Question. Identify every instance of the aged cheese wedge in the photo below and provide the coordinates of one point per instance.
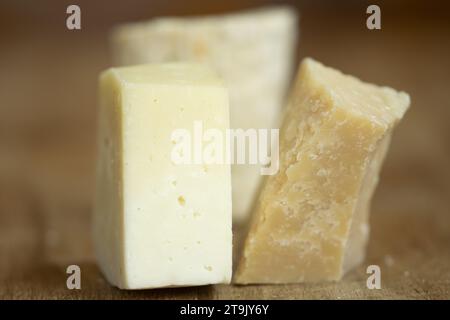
(252, 50)
(158, 223)
(311, 219)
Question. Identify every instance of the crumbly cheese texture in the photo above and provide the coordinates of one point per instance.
(311, 219)
(253, 51)
(158, 223)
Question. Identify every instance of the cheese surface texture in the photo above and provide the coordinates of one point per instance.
(253, 51)
(158, 223)
(311, 219)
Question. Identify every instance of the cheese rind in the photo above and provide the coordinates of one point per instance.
(310, 222)
(253, 51)
(158, 223)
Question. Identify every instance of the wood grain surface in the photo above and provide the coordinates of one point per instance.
(48, 91)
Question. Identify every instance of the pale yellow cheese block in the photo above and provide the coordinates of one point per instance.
(311, 219)
(158, 223)
(252, 50)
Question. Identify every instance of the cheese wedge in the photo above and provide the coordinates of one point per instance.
(158, 223)
(253, 51)
(311, 219)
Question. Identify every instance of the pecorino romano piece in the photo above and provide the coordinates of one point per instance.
(158, 223)
(311, 218)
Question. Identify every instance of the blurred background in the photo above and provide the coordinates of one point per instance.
(48, 101)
